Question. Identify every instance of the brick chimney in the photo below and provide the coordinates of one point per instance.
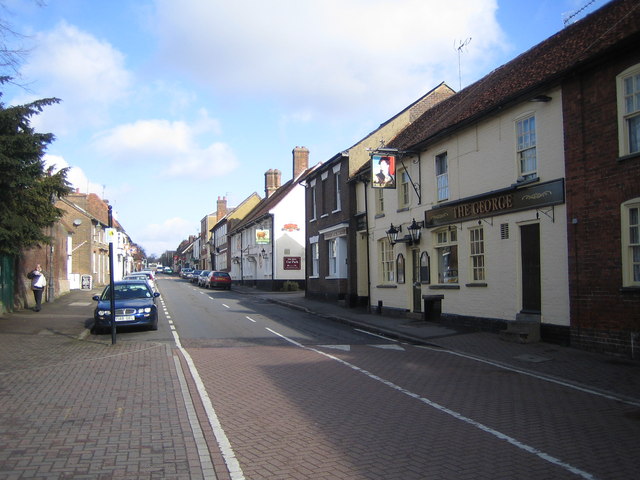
(272, 180)
(300, 161)
(221, 209)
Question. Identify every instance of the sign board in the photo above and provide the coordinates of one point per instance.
(498, 203)
(262, 236)
(383, 171)
(291, 263)
(86, 282)
(110, 234)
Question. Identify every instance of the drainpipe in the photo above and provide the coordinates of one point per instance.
(366, 221)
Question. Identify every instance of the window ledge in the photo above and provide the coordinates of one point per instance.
(402, 209)
(444, 287)
(630, 289)
(386, 286)
(379, 215)
(336, 211)
(324, 215)
(477, 284)
(628, 157)
(314, 276)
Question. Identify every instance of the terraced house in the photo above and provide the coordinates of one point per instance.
(516, 200)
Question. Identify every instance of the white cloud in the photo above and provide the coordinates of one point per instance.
(75, 175)
(172, 146)
(332, 55)
(158, 238)
(87, 74)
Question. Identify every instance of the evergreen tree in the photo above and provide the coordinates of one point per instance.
(27, 191)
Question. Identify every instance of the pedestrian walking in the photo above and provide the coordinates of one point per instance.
(38, 282)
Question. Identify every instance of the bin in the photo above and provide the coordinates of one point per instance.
(432, 308)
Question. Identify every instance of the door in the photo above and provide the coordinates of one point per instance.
(531, 278)
(415, 280)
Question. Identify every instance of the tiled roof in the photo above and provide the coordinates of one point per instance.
(540, 67)
(266, 204)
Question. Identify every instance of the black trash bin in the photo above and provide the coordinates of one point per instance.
(432, 308)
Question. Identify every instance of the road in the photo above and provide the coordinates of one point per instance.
(292, 396)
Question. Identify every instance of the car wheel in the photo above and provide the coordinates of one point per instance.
(154, 326)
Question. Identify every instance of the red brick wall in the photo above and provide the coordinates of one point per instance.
(603, 316)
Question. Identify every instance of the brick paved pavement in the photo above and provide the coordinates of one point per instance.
(72, 408)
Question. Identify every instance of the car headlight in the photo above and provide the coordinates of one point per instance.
(102, 313)
(145, 310)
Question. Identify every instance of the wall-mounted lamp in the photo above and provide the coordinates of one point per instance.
(541, 98)
(414, 233)
(414, 230)
(235, 259)
(264, 254)
(392, 234)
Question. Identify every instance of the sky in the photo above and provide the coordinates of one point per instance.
(167, 105)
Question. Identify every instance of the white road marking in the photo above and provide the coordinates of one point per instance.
(251, 319)
(458, 416)
(539, 377)
(374, 334)
(221, 437)
(345, 348)
(225, 306)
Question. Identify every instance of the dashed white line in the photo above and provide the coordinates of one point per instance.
(458, 416)
(250, 319)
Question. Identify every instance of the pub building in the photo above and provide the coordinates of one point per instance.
(476, 226)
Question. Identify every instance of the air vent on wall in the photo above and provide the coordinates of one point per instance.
(504, 231)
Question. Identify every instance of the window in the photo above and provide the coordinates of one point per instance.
(379, 200)
(403, 191)
(324, 200)
(476, 241)
(631, 243)
(629, 111)
(447, 252)
(315, 260)
(425, 268)
(338, 205)
(442, 176)
(400, 267)
(526, 148)
(386, 261)
(333, 257)
(314, 207)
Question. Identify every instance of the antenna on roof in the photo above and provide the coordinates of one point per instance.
(460, 46)
(568, 17)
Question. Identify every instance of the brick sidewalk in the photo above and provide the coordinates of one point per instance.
(72, 408)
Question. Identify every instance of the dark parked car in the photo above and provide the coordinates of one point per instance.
(202, 278)
(219, 280)
(186, 273)
(194, 276)
(135, 303)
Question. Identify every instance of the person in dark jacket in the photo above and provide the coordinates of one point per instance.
(38, 282)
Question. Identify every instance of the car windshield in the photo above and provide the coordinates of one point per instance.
(128, 291)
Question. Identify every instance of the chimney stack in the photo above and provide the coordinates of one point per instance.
(271, 181)
(221, 209)
(300, 161)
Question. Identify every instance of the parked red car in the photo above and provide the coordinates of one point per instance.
(219, 280)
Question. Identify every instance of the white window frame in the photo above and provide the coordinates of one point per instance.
(314, 205)
(404, 194)
(315, 260)
(441, 164)
(379, 199)
(446, 243)
(386, 261)
(628, 95)
(630, 224)
(526, 147)
(477, 264)
(336, 177)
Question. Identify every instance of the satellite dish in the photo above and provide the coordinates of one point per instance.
(77, 222)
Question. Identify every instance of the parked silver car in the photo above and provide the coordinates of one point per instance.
(203, 278)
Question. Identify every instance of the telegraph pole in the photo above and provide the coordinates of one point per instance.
(112, 292)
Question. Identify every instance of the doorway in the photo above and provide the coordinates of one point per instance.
(531, 277)
(415, 280)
